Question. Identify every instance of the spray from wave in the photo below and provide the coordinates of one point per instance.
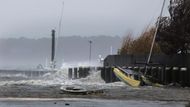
(60, 77)
(81, 64)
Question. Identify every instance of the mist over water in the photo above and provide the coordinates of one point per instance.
(25, 53)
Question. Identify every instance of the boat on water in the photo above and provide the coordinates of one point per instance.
(127, 76)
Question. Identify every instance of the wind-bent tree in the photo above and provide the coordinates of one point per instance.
(174, 31)
(140, 45)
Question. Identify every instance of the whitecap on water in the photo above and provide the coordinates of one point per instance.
(60, 77)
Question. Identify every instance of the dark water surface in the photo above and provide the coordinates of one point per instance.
(22, 88)
(85, 103)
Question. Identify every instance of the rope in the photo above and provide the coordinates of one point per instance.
(59, 30)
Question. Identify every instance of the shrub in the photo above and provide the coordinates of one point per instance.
(140, 45)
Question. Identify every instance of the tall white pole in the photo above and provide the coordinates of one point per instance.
(155, 34)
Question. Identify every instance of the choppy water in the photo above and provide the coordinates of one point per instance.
(59, 78)
(55, 78)
(86, 103)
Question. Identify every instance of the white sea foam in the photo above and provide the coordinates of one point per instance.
(60, 77)
(80, 64)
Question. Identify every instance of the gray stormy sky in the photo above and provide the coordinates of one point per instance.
(36, 18)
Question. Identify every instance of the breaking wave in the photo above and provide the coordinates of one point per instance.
(60, 77)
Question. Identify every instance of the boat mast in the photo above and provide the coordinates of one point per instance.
(154, 37)
(155, 34)
(59, 32)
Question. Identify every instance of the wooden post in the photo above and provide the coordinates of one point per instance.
(81, 73)
(183, 76)
(175, 75)
(168, 71)
(103, 73)
(70, 73)
(75, 73)
(107, 75)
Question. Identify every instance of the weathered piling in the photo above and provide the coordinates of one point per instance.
(108, 75)
(183, 76)
(175, 75)
(162, 75)
(75, 73)
(108, 71)
(103, 73)
(168, 75)
(159, 76)
(153, 73)
(70, 73)
(81, 73)
(86, 71)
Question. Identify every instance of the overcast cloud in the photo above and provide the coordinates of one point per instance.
(36, 18)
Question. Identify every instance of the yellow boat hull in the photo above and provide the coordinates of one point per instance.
(126, 79)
